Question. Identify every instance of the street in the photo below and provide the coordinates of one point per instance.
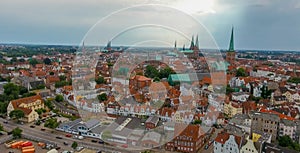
(50, 137)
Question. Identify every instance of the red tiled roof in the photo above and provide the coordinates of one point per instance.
(281, 116)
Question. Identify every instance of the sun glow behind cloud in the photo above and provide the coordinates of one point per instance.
(190, 6)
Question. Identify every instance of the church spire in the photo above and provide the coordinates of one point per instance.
(197, 43)
(175, 45)
(231, 45)
(192, 43)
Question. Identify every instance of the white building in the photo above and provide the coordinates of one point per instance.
(287, 127)
(227, 143)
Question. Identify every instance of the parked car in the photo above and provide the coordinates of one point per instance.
(101, 141)
(206, 147)
(32, 126)
(94, 141)
(69, 135)
(58, 137)
(65, 143)
(43, 129)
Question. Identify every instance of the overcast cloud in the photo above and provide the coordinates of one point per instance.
(259, 24)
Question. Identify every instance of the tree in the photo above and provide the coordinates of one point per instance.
(59, 98)
(40, 111)
(102, 97)
(17, 132)
(12, 90)
(197, 122)
(285, 141)
(62, 78)
(151, 71)
(33, 62)
(47, 61)
(51, 73)
(49, 104)
(241, 72)
(100, 80)
(17, 114)
(3, 107)
(164, 73)
(51, 123)
(156, 79)
(74, 145)
(294, 80)
(22, 60)
(29, 94)
(1, 127)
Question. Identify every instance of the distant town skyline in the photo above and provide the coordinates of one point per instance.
(259, 24)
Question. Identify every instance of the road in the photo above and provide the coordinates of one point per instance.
(48, 136)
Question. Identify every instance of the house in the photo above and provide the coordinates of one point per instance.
(240, 96)
(28, 105)
(249, 147)
(232, 108)
(243, 121)
(91, 128)
(121, 129)
(248, 107)
(287, 127)
(151, 122)
(189, 138)
(226, 142)
(265, 123)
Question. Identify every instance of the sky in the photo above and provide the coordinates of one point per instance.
(258, 24)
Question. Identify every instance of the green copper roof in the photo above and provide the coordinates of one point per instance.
(231, 45)
(179, 77)
(187, 51)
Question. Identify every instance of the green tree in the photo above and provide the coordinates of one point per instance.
(151, 71)
(29, 94)
(12, 90)
(156, 79)
(17, 132)
(74, 145)
(197, 122)
(51, 123)
(33, 62)
(164, 73)
(59, 98)
(100, 80)
(3, 107)
(1, 127)
(40, 111)
(102, 97)
(294, 80)
(285, 141)
(47, 61)
(17, 114)
(51, 73)
(62, 78)
(241, 72)
(49, 104)
(22, 60)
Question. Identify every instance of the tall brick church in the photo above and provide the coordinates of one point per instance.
(230, 54)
